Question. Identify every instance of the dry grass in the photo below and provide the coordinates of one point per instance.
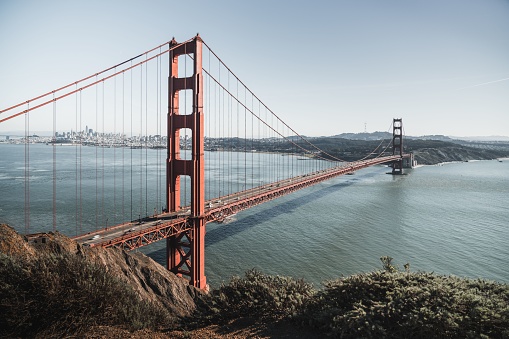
(62, 294)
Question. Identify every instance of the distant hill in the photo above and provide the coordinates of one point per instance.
(483, 139)
(385, 135)
(430, 137)
(364, 136)
(428, 150)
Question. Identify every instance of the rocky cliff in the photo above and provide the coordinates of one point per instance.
(151, 281)
(42, 270)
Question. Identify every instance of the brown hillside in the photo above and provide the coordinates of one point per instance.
(149, 279)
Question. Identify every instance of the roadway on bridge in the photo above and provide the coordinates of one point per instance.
(216, 210)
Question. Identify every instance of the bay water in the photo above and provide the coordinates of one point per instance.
(450, 218)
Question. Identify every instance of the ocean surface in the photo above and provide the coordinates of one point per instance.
(450, 219)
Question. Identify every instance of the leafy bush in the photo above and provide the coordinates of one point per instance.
(256, 295)
(381, 304)
(389, 304)
(62, 294)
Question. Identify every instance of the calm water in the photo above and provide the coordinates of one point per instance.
(450, 219)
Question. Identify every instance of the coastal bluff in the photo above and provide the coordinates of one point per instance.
(89, 269)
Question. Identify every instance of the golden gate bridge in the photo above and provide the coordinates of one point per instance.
(184, 95)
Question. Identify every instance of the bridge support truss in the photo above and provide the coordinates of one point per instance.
(186, 250)
(397, 145)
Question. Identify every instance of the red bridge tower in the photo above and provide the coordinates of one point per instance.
(397, 145)
(186, 251)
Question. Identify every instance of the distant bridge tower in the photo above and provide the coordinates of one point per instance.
(397, 145)
(186, 251)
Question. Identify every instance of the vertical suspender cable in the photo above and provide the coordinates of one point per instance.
(233, 188)
(221, 135)
(229, 139)
(76, 141)
(103, 139)
(162, 169)
(96, 155)
(115, 144)
(260, 141)
(80, 166)
(271, 155)
(225, 135)
(245, 139)
(278, 158)
(252, 142)
(224, 124)
(158, 132)
(54, 164)
(237, 116)
(27, 171)
(131, 143)
(146, 139)
(272, 143)
(231, 175)
(217, 131)
(140, 144)
(123, 147)
(220, 163)
(266, 134)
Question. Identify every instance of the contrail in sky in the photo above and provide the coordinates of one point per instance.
(484, 83)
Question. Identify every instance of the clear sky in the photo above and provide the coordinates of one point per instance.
(325, 67)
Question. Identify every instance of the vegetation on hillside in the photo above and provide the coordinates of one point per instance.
(257, 295)
(57, 295)
(385, 304)
(380, 304)
(55, 292)
(426, 151)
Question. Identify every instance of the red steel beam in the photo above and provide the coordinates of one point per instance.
(143, 237)
(239, 201)
(284, 187)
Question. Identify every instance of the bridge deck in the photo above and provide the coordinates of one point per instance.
(142, 232)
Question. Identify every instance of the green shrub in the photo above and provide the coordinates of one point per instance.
(389, 304)
(256, 295)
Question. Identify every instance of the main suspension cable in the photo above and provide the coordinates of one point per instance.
(84, 79)
(83, 87)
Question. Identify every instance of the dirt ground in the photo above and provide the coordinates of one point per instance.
(240, 328)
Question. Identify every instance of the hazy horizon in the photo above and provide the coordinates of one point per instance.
(469, 137)
(325, 67)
